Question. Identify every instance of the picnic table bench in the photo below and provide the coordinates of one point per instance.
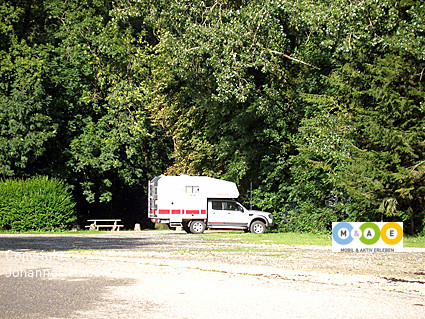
(99, 223)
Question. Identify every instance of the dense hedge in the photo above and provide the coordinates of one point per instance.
(38, 203)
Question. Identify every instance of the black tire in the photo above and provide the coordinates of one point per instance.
(258, 227)
(185, 227)
(197, 227)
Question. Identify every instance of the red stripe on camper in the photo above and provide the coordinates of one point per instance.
(163, 211)
(217, 223)
(188, 211)
(175, 211)
(203, 211)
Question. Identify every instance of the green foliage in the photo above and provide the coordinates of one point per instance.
(25, 123)
(225, 94)
(375, 94)
(305, 217)
(115, 143)
(318, 102)
(38, 203)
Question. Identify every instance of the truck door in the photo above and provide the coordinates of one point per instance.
(228, 213)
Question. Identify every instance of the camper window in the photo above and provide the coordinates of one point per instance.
(192, 189)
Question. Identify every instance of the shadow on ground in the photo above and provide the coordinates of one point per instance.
(43, 297)
(84, 242)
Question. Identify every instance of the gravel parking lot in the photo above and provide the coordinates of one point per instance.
(158, 274)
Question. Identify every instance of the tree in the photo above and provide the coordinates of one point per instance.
(114, 145)
(26, 124)
(319, 102)
(224, 90)
(376, 86)
(73, 93)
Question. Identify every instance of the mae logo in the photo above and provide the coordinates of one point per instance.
(367, 237)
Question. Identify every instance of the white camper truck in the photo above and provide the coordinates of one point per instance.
(199, 202)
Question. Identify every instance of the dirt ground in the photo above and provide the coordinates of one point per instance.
(141, 259)
(387, 271)
(401, 272)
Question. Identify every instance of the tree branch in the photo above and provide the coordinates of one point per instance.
(293, 59)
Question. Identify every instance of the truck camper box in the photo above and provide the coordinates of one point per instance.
(197, 202)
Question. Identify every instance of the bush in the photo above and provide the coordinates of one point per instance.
(38, 203)
(307, 218)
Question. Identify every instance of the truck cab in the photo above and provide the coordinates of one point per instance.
(224, 214)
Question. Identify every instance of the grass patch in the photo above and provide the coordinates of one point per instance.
(231, 250)
(291, 239)
(211, 270)
(418, 242)
(298, 239)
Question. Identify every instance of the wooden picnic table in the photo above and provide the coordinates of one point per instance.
(99, 223)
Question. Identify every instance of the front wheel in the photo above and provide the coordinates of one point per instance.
(197, 227)
(258, 227)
